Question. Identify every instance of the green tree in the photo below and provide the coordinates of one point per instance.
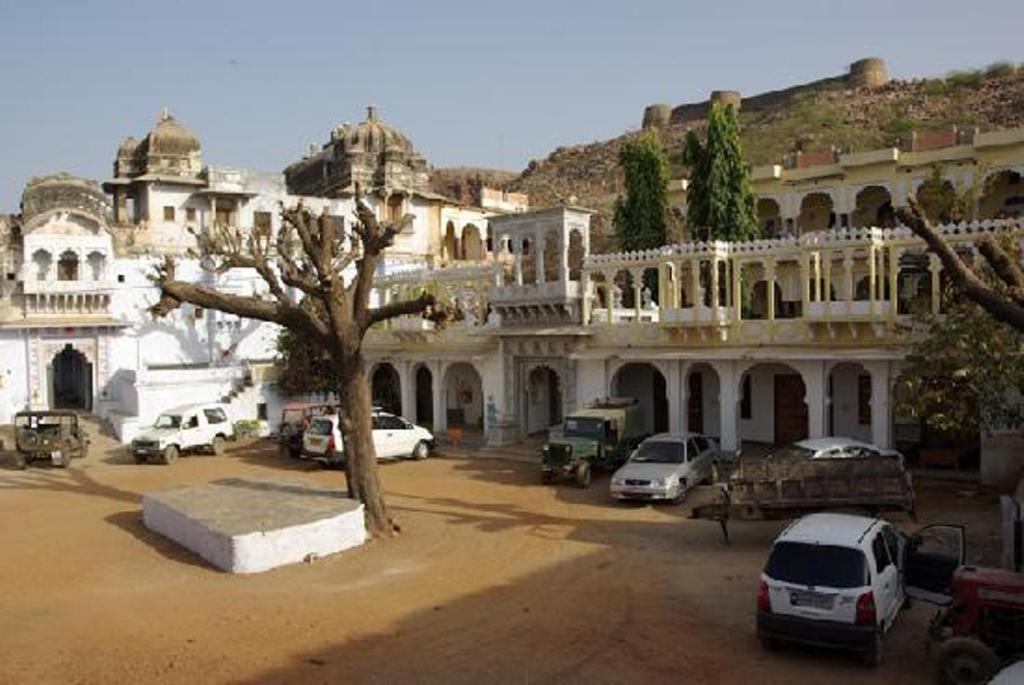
(302, 366)
(641, 218)
(720, 203)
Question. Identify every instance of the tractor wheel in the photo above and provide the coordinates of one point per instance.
(872, 656)
(966, 661)
(217, 446)
(583, 475)
(170, 454)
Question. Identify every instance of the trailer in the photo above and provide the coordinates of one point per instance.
(779, 487)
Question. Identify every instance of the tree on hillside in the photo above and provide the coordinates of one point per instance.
(996, 283)
(720, 203)
(642, 217)
(301, 269)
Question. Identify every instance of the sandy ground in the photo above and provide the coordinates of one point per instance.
(495, 579)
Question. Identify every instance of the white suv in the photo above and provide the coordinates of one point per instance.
(187, 428)
(839, 580)
(393, 438)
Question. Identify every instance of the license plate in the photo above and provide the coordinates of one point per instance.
(814, 600)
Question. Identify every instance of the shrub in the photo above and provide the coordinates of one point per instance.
(936, 86)
(246, 428)
(1000, 69)
(965, 79)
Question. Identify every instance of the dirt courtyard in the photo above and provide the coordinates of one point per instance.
(495, 579)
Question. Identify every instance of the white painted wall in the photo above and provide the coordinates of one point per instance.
(845, 414)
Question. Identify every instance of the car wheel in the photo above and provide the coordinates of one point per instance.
(872, 656)
(966, 661)
(19, 461)
(217, 446)
(681, 495)
(583, 475)
(139, 458)
(421, 450)
(170, 454)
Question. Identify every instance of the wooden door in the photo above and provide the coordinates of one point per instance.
(695, 403)
(790, 409)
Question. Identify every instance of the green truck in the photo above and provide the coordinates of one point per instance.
(600, 436)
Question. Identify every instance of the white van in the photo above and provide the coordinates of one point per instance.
(839, 580)
(188, 428)
(393, 438)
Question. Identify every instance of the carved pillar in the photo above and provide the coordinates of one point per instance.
(714, 289)
(736, 285)
(848, 278)
(519, 262)
(638, 284)
(894, 280)
(440, 393)
(585, 297)
(827, 276)
(695, 298)
(770, 277)
(609, 296)
(538, 259)
(872, 277)
(816, 257)
(805, 283)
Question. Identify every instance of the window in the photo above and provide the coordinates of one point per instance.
(745, 402)
(864, 399)
(120, 278)
(215, 415)
(880, 553)
(67, 267)
(261, 221)
(822, 565)
(199, 313)
(190, 214)
(659, 452)
(692, 449)
(168, 213)
(191, 422)
(261, 411)
(387, 422)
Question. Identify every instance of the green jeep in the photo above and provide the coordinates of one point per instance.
(52, 436)
(600, 436)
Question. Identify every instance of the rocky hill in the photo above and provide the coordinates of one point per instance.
(833, 112)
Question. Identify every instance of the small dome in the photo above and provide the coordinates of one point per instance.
(169, 137)
(128, 147)
(373, 136)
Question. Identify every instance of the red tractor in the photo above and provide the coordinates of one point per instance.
(982, 627)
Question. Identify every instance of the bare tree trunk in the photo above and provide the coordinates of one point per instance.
(360, 455)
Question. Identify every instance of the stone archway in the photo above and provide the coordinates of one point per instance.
(543, 399)
(646, 383)
(773, 405)
(472, 243)
(71, 381)
(463, 397)
(386, 388)
(424, 380)
(873, 208)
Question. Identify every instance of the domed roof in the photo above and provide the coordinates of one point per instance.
(371, 136)
(169, 137)
(128, 147)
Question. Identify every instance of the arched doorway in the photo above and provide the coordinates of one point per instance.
(816, 213)
(450, 246)
(472, 243)
(72, 380)
(386, 389)
(464, 397)
(769, 218)
(772, 405)
(873, 208)
(424, 397)
(849, 408)
(643, 381)
(702, 401)
(543, 400)
(937, 199)
(1003, 196)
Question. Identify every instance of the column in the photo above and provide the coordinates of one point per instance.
(674, 391)
(815, 387)
(439, 392)
(638, 284)
(677, 285)
(935, 268)
(805, 284)
(728, 397)
(408, 381)
(695, 297)
(538, 259)
(770, 278)
(826, 276)
(684, 389)
(848, 279)
(817, 276)
(609, 297)
(585, 297)
(871, 278)
(894, 280)
(714, 289)
(519, 262)
(737, 284)
(881, 416)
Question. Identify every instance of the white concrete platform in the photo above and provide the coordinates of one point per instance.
(249, 525)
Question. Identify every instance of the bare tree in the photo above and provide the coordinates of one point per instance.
(1004, 299)
(302, 269)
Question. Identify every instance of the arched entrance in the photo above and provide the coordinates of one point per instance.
(543, 400)
(937, 199)
(646, 383)
(472, 244)
(386, 389)
(769, 218)
(816, 213)
(849, 408)
(72, 380)
(464, 401)
(873, 208)
(424, 397)
(702, 410)
(772, 405)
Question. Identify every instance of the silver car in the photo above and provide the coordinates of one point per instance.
(665, 467)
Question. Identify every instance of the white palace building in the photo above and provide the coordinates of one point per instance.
(763, 342)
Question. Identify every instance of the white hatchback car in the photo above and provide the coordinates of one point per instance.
(393, 438)
(665, 466)
(839, 580)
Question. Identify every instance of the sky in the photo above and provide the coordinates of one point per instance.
(471, 83)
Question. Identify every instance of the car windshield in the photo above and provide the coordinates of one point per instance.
(168, 421)
(659, 453)
(793, 452)
(291, 416)
(321, 427)
(819, 565)
(585, 427)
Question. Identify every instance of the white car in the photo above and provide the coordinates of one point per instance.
(833, 448)
(839, 580)
(664, 467)
(393, 438)
(188, 428)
